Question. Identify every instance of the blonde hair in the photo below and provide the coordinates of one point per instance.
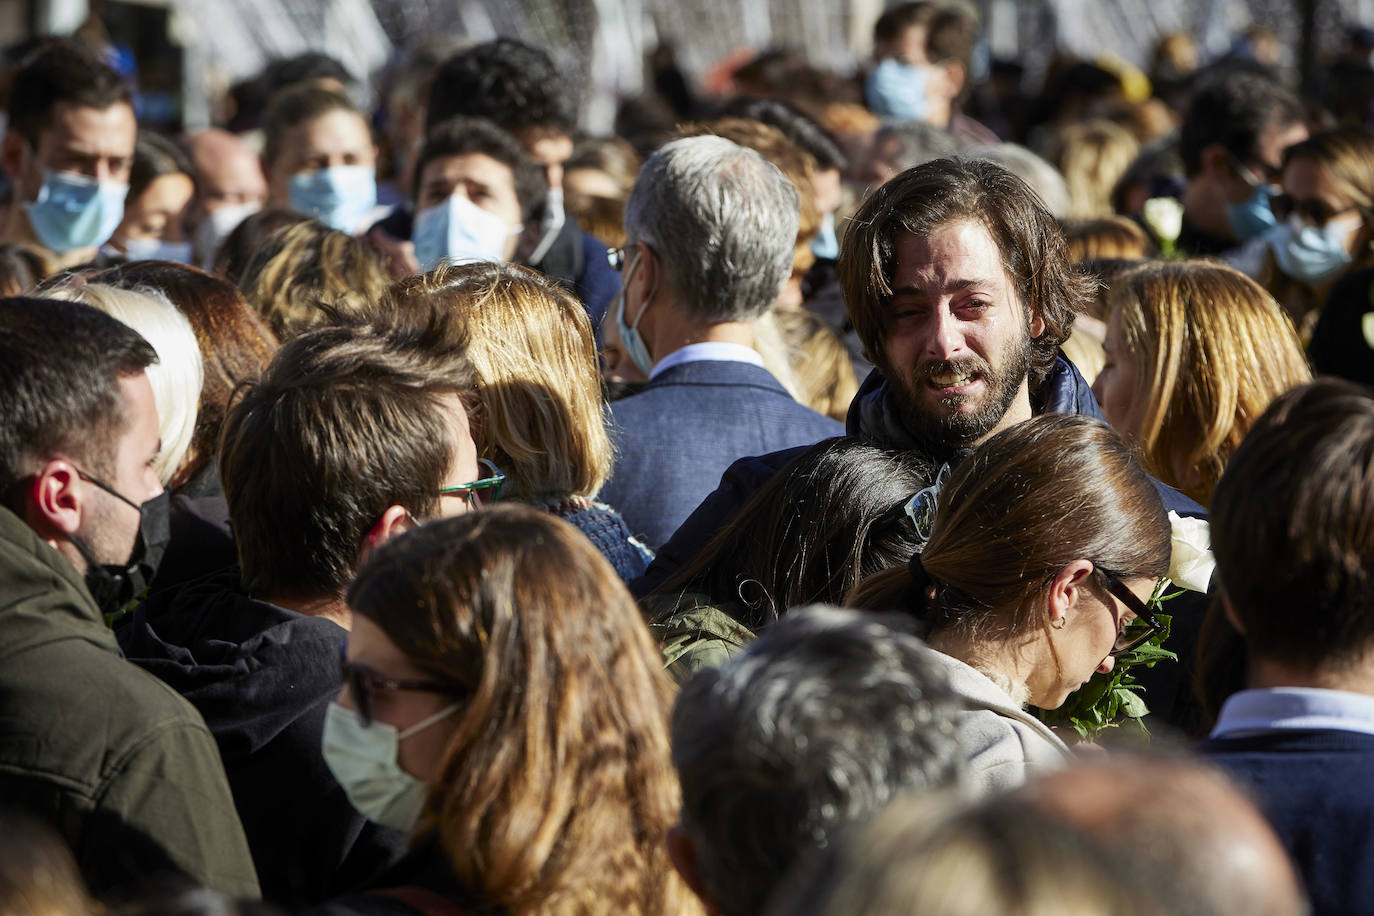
(178, 375)
(819, 372)
(540, 414)
(1212, 349)
(1093, 156)
(1086, 353)
(306, 272)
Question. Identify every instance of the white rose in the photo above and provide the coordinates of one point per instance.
(1164, 216)
(1191, 564)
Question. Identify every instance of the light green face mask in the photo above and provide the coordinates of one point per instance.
(363, 760)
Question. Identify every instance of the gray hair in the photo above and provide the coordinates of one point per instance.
(1043, 178)
(818, 724)
(722, 219)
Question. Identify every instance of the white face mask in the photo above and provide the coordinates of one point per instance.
(215, 228)
(363, 760)
(459, 231)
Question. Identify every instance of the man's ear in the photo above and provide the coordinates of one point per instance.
(53, 505)
(1066, 589)
(1216, 162)
(954, 74)
(396, 520)
(14, 156)
(683, 854)
(1037, 326)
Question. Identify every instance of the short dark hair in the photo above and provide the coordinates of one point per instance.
(464, 136)
(62, 70)
(512, 84)
(345, 422)
(1233, 108)
(60, 365)
(305, 67)
(817, 725)
(896, 19)
(1293, 527)
(795, 125)
(952, 34)
(295, 106)
(934, 194)
(154, 157)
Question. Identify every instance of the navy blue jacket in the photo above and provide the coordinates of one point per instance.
(1314, 787)
(677, 436)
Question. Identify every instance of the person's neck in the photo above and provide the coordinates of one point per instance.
(19, 231)
(1019, 411)
(940, 116)
(330, 607)
(1352, 677)
(674, 334)
(1001, 662)
(1204, 209)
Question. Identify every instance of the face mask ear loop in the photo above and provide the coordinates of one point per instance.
(427, 722)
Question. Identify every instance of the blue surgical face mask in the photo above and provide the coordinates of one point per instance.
(1253, 216)
(458, 230)
(340, 196)
(73, 211)
(630, 338)
(1313, 254)
(826, 245)
(157, 250)
(898, 90)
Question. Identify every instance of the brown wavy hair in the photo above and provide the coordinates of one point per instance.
(556, 790)
(934, 194)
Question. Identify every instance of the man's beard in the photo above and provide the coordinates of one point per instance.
(950, 428)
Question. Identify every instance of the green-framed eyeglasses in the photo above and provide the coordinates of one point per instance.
(482, 492)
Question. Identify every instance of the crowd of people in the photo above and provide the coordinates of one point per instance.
(885, 495)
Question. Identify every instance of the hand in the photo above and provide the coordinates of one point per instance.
(399, 253)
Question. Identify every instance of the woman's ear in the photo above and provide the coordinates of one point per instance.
(1066, 590)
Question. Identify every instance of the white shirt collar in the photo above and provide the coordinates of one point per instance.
(713, 350)
(1253, 712)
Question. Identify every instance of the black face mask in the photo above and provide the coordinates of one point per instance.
(114, 585)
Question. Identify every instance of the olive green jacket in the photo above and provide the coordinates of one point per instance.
(693, 634)
(117, 762)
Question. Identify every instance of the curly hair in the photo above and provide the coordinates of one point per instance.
(512, 84)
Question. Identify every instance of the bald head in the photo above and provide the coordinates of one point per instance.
(228, 173)
(1187, 819)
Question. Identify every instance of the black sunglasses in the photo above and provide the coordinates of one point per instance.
(1139, 631)
(363, 682)
(1316, 212)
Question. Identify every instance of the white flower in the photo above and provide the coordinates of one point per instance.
(1164, 216)
(1191, 564)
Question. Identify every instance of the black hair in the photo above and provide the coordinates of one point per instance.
(513, 85)
(796, 126)
(1233, 109)
(832, 516)
(154, 157)
(61, 70)
(466, 136)
(60, 365)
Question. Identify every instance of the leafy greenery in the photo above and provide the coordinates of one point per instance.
(1107, 700)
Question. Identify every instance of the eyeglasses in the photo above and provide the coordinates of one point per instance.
(1316, 212)
(1139, 631)
(481, 492)
(1268, 174)
(363, 683)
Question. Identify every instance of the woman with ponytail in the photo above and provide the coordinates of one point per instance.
(1046, 543)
